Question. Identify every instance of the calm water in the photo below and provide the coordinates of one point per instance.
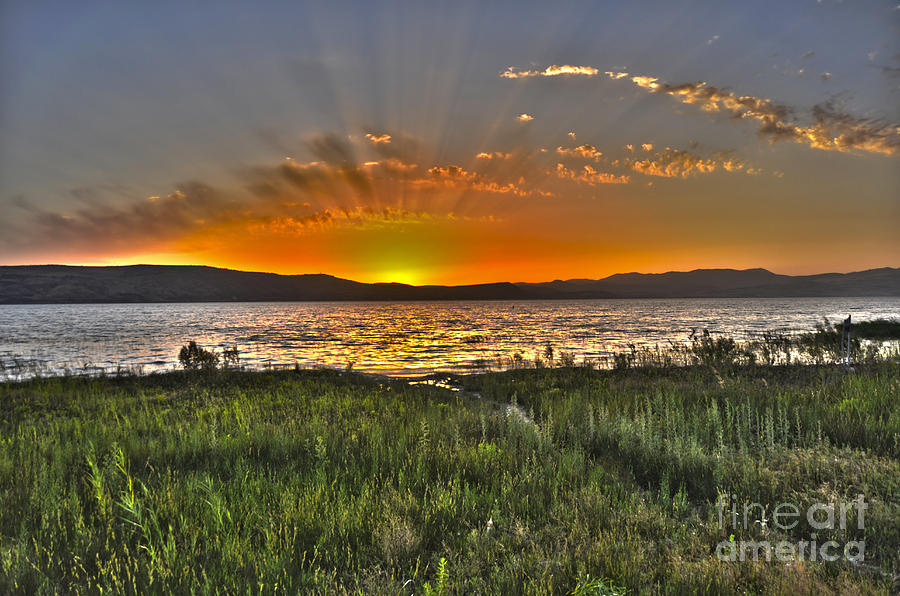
(397, 338)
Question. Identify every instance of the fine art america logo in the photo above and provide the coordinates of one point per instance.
(821, 517)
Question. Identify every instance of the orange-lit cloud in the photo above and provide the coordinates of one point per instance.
(456, 177)
(339, 190)
(589, 175)
(354, 203)
(674, 163)
(391, 164)
(646, 82)
(378, 138)
(586, 151)
(524, 117)
(551, 71)
(454, 173)
(830, 129)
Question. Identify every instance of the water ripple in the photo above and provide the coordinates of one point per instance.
(396, 338)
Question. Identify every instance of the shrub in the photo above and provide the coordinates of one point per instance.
(625, 360)
(231, 357)
(193, 357)
(718, 351)
(567, 359)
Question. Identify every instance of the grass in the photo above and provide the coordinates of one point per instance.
(878, 329)
(595, 482)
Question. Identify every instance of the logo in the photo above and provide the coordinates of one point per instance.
(821, 517)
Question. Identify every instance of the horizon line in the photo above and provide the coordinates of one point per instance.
(456, 285)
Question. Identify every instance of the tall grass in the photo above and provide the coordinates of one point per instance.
(321, 481)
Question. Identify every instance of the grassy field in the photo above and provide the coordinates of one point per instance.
(541, 480)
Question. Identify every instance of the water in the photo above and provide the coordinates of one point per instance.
(394, 338)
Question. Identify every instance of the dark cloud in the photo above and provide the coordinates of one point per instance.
(99, 227)
(338, 187)
(336, 152)
(891, 72)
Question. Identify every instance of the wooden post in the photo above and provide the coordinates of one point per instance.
(845, 341)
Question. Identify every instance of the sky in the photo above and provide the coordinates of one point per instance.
(452, 142)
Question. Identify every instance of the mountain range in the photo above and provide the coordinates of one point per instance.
(57, 284)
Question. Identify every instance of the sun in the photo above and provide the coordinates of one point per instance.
(402, 276)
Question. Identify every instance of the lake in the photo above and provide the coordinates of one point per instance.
(394, 338)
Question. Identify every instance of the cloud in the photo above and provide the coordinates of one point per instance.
(378, 138)
(589, 175)
(572, 135)
(399, 146)
(147, 223)
(451, 172)
(675, 163)
(494, 187)
(551, 71)
(808, 54)
(585, 151)
(369, 179)
(524, 117)
(453, 176)
(712, 40)
(825, 76)
(830, 129)
(333, 189)
(645, 82)
(358, 217)
(391, 164)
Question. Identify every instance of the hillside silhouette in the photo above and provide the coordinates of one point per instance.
(54, 284)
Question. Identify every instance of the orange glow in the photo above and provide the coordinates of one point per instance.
(531, 239)
(526, 213)
(446, 144)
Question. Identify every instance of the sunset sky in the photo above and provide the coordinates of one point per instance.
(457, 142)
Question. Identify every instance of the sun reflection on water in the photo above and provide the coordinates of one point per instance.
(394, 338)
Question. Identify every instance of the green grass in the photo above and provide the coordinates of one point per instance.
(600, 482)
(878, 329)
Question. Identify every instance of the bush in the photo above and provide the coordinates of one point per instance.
(710, 351)
(193, 357)
(231, 357)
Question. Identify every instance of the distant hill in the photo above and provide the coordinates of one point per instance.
(174, 283)
(33, 284)
(729, 283)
